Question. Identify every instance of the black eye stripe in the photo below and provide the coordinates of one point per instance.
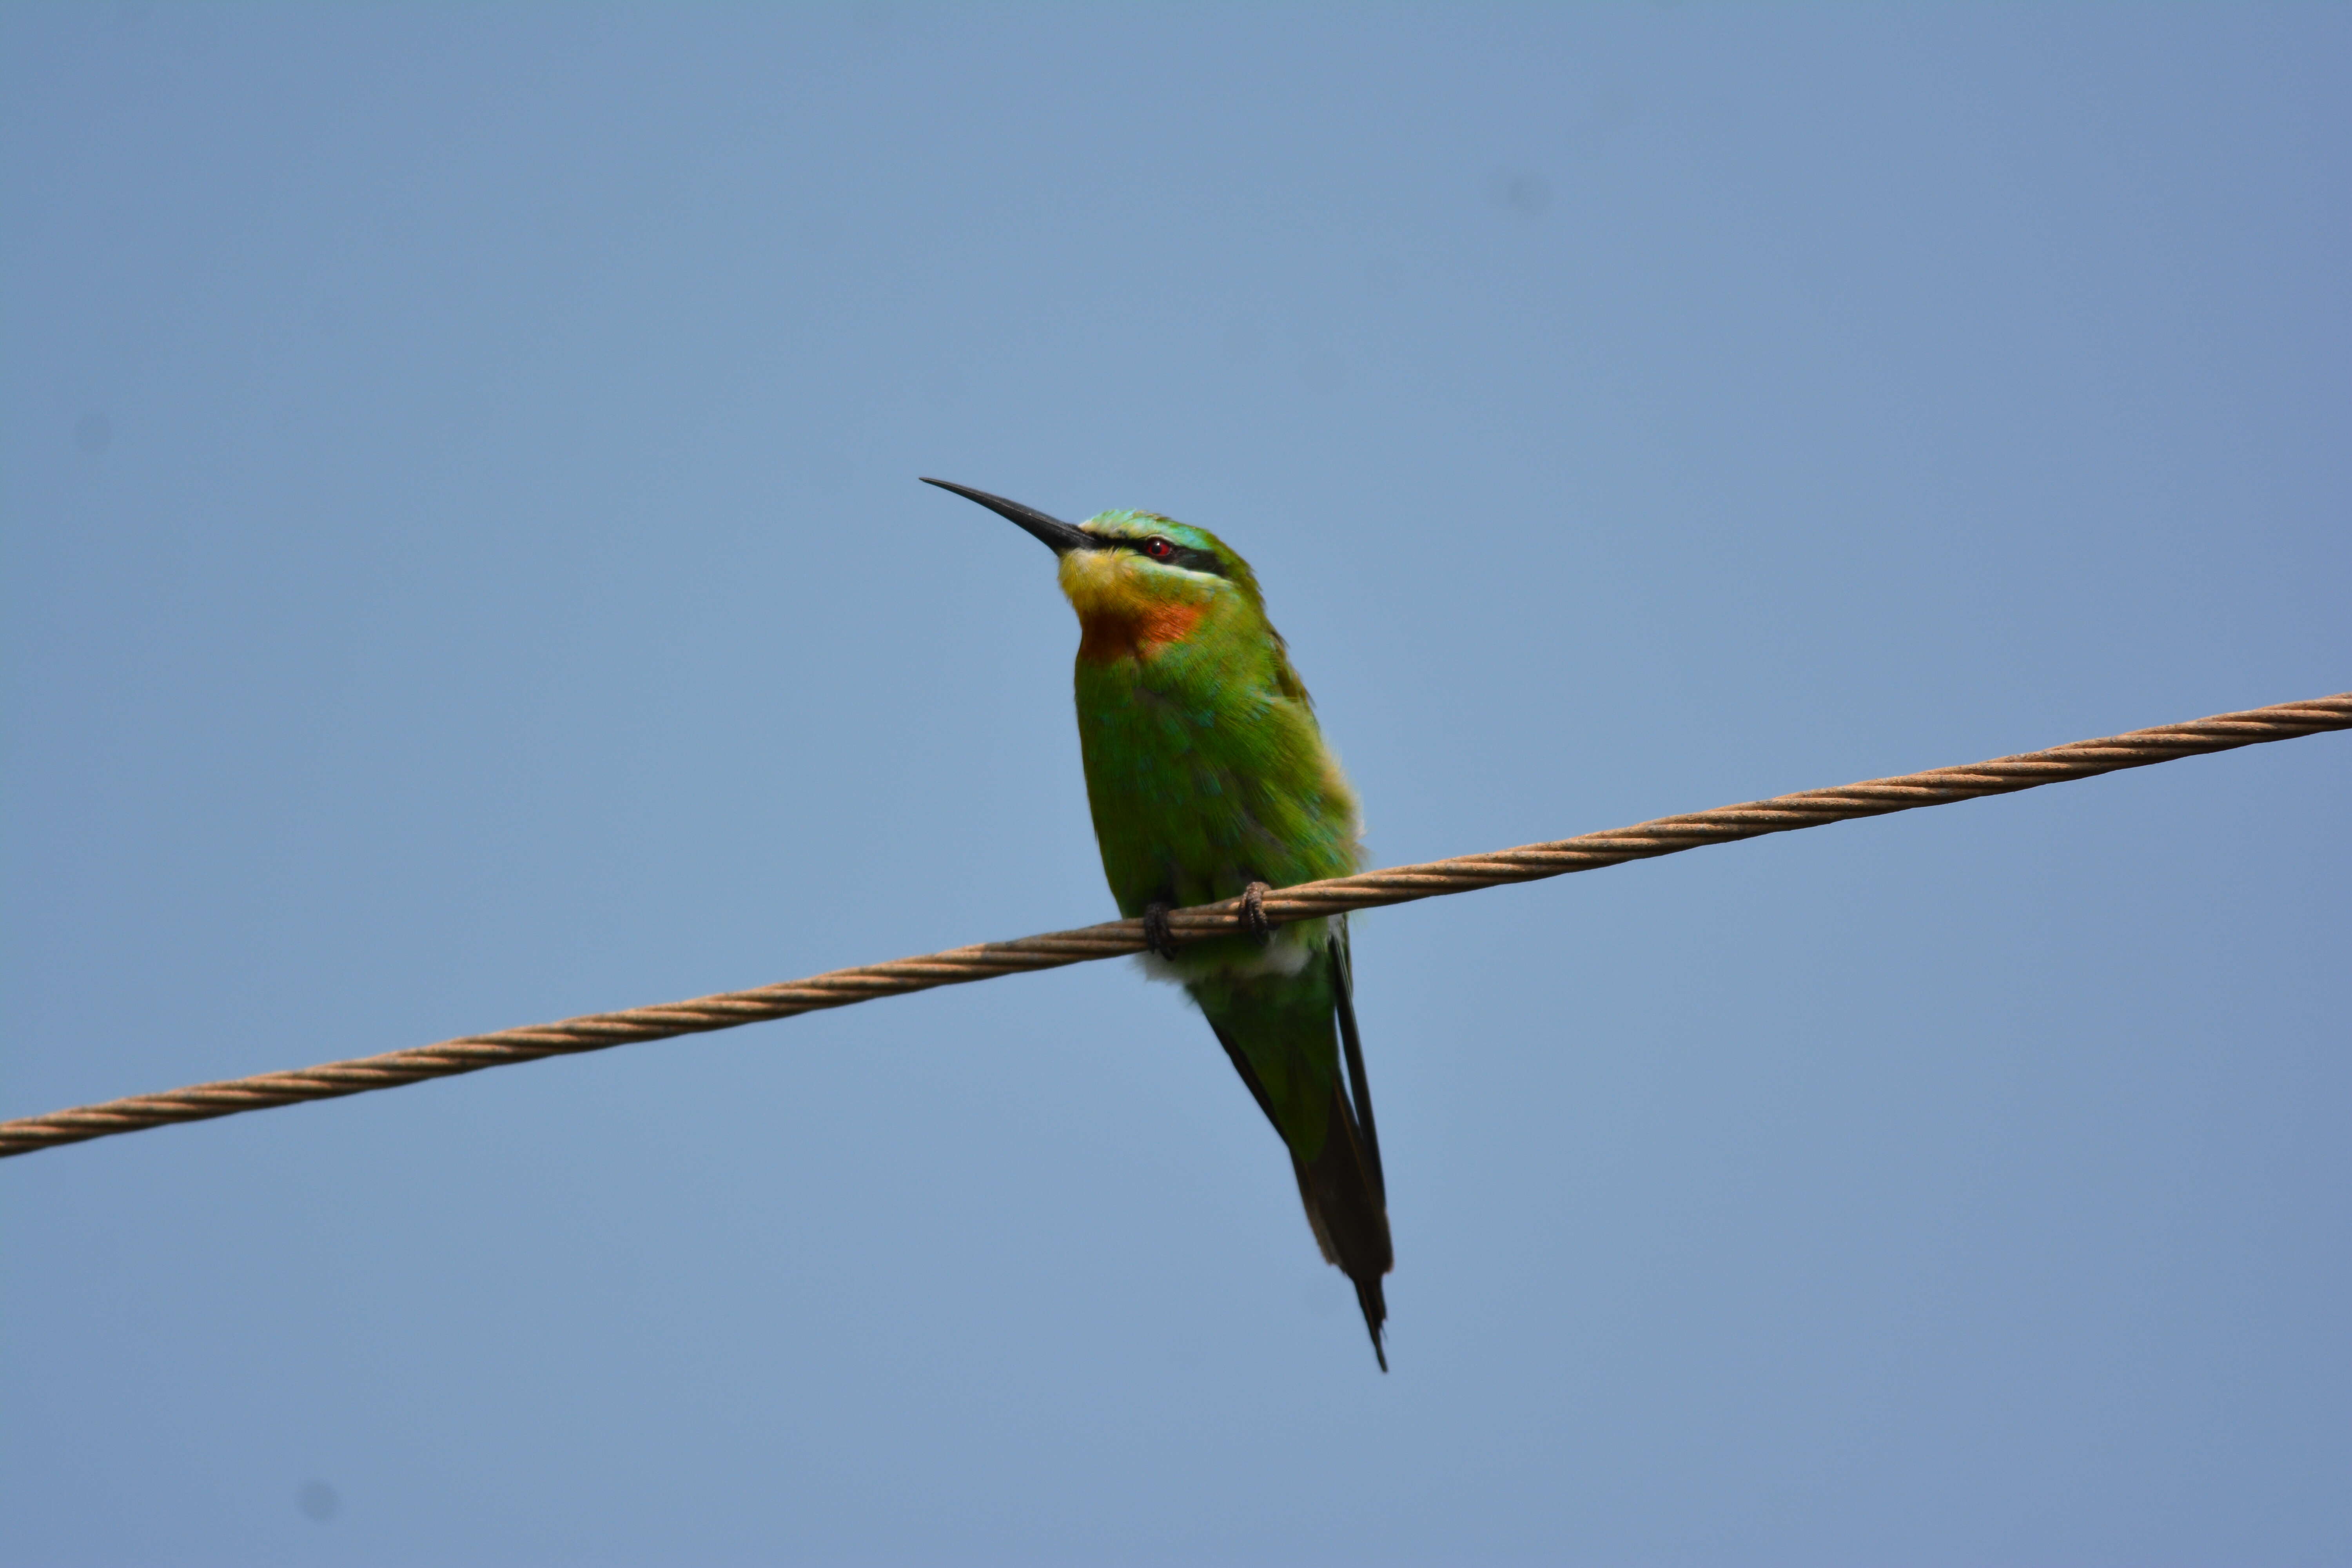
(1182, 556)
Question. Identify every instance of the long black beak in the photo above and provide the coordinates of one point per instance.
(1056, 535)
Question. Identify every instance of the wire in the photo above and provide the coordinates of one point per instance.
(1308, 901)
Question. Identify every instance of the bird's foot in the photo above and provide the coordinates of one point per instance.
(1158, 935)
(1253, 918)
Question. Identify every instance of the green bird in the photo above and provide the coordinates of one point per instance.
(1209, 779)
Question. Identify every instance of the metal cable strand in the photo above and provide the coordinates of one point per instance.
(1309, 900)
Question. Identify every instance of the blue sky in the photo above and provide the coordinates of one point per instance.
(464, 566)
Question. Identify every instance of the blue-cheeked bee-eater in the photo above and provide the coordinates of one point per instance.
(1208, 777)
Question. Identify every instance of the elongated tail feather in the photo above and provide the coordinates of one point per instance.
(1340, 1183)
(1343, 999)
(1363, 1210)
(1340, 1188)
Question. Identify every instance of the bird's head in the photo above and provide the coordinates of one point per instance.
(1139, 582)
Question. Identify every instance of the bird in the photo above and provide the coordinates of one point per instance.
(1208, 778)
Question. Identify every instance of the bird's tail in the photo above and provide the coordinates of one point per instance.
(1349, 1211)
(1289, 1025)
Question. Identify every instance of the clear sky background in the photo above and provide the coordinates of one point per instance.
(464, 566)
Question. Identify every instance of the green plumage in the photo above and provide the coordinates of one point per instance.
(1206, 772)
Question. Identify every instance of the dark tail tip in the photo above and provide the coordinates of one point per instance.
(1376, 1315)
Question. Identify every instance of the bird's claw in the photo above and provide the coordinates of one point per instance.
(1158, 935)
(1253, 918)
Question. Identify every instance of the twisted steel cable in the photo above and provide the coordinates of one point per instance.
(1308, 901)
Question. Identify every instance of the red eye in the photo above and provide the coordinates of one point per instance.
(1159, 549)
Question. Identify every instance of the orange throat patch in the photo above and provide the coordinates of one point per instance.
(1137, 631)
(1123, 612)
